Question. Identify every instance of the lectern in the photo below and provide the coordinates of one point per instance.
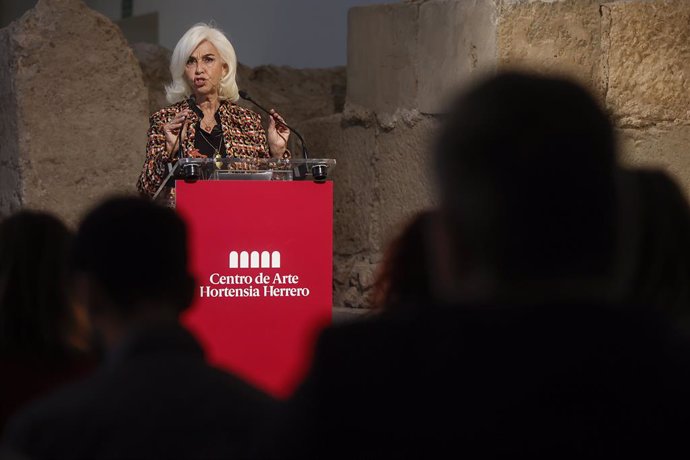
(261, 251)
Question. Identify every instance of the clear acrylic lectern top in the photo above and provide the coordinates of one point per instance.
(230, 168)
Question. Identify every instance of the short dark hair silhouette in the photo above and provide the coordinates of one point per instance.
(34, 283)
(526, 165)
(402, 279)
(130, 259)
(662, 270)
(137, 251)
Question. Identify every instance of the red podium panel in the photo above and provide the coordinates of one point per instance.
(262, 255)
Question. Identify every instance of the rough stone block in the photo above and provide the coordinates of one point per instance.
(381, 53)
(81, 108)
(353, 298)
(364, 275)
(298, 94)
(10, 179)
(648, 55)
(354, 187)
(457, 42)
(561, 37)
(404, 177)
(154, 61)
(664, 147)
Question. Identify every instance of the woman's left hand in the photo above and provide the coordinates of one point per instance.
(278, 134)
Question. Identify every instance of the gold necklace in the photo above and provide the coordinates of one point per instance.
(208, 127)
(216, 150)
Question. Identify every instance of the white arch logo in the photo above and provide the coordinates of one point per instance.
(254, 259)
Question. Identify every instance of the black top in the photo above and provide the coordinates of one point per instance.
(493, 382)
(207, 143)
(155, 397)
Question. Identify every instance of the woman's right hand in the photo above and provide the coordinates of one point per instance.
(172, 130)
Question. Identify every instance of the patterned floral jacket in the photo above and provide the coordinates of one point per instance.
(243, 134)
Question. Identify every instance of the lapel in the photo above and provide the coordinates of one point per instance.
(225, 122)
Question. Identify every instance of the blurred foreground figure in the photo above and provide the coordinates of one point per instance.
(530, 343)
(662, 277)
(402, 280)
(43, 335)
(155, 397)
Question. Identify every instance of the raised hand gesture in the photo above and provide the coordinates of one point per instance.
(278, 134)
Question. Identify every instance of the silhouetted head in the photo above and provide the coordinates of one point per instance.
(526, 166)
(132, 256)
(403, 277)
(662, 271)
(35, 307)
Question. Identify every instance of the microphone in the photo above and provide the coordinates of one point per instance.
(244, 95)
(191, 171)
(191, 101)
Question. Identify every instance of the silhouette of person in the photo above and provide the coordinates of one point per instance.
(663, 252)
(402, 280)
(155, 396)
(528, 344)
(44, 337)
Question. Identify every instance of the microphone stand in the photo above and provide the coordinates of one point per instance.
(172, 170)
(301, 170)
(244, 95)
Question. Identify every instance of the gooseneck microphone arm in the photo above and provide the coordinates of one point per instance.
(180, 151)
(247, 97)
(190, 173)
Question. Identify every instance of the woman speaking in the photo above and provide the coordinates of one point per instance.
(203, 94)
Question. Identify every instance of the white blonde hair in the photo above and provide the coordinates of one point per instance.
(179, 89)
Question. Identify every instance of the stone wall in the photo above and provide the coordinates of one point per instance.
(299, 94)
(74, 113)
(634, 54)
(75, 102)
(648, 82)
(381, 178)
(560, 37)
(154, 61)
(10, 178)
(406, 59)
